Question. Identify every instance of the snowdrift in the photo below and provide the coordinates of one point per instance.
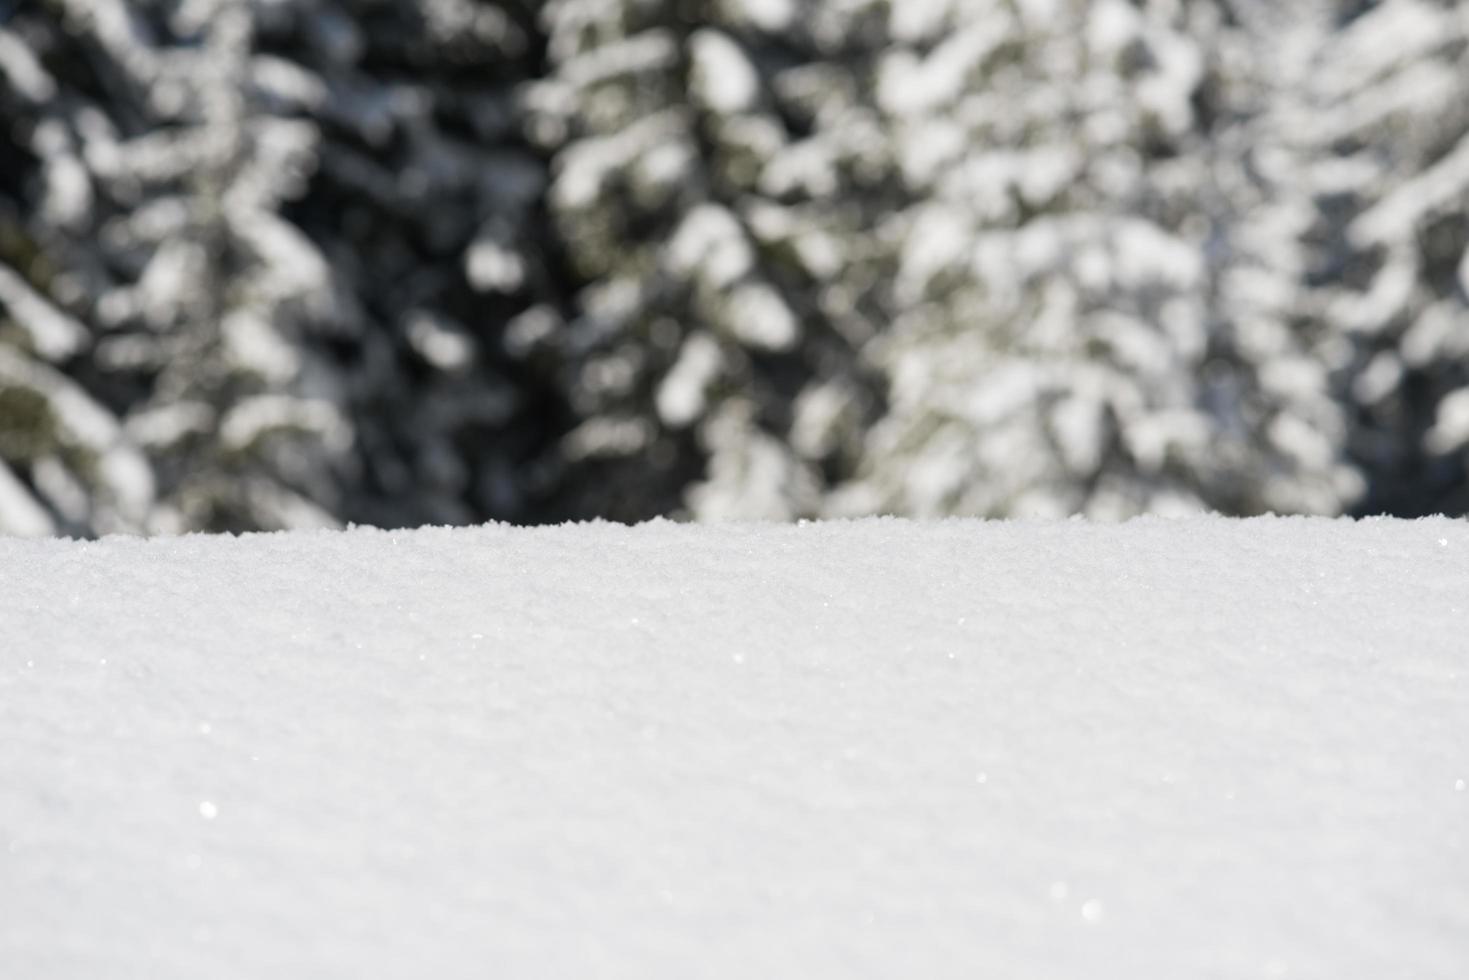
(1179, 749)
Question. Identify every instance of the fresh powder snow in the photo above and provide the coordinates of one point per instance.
(1186, 749)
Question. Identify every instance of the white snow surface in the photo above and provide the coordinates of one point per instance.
(1181, 749)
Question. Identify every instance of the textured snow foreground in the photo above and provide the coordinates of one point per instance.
(1161, 749)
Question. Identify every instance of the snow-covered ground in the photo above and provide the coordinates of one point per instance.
(1196, 749)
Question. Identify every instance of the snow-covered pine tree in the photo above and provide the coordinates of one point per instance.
(1095, 302)
(719, 168)
(65, 462)
(1388, 124)
(146, 194)
(282, 241)
(426, 201)
(266, 265)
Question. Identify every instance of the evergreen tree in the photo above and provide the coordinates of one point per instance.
(719, 169)
(1095, 311)
(401, 261)
(1388, 126)
(285, 240)
(427, 204)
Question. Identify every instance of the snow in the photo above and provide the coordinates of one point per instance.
(682, 394)
(1451, 429)
(910, 85)
(722, 77)
(768, 15)
(440, 341)
(23, 71)
(711, 242)
(51, 333)
(19, 512)
(1199, 748)
(490, 266)
(589, 163)
(760, 318)
(1436, 186)
(85, 428)
(257, 416)
(649, 49)
(258, 347)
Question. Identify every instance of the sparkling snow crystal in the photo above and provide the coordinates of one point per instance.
(1189, 749)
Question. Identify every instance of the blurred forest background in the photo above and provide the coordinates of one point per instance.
(284, 263)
